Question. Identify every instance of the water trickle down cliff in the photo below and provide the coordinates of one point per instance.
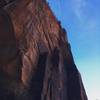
(46, 67)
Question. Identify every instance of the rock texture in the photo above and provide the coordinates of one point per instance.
(36, 62)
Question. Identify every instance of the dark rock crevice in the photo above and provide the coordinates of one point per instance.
(36, 84)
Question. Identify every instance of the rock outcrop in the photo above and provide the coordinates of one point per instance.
(36, 62)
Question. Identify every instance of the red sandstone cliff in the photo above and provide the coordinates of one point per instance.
(36, 62)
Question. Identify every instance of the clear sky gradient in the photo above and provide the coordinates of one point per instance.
(81, 19)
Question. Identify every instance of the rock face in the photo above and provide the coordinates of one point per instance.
(36, 62)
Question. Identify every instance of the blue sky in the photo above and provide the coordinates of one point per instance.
(81, 19)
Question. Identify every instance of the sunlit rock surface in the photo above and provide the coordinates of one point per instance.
(36, 62)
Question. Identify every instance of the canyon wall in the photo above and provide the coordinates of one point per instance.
(36, 61)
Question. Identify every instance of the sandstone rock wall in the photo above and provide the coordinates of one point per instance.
(48, 71)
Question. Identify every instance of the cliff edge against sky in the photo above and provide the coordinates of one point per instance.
(36, 62)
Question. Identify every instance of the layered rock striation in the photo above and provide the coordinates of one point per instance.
(36, 62)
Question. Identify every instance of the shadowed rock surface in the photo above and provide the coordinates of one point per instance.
(36, 62)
